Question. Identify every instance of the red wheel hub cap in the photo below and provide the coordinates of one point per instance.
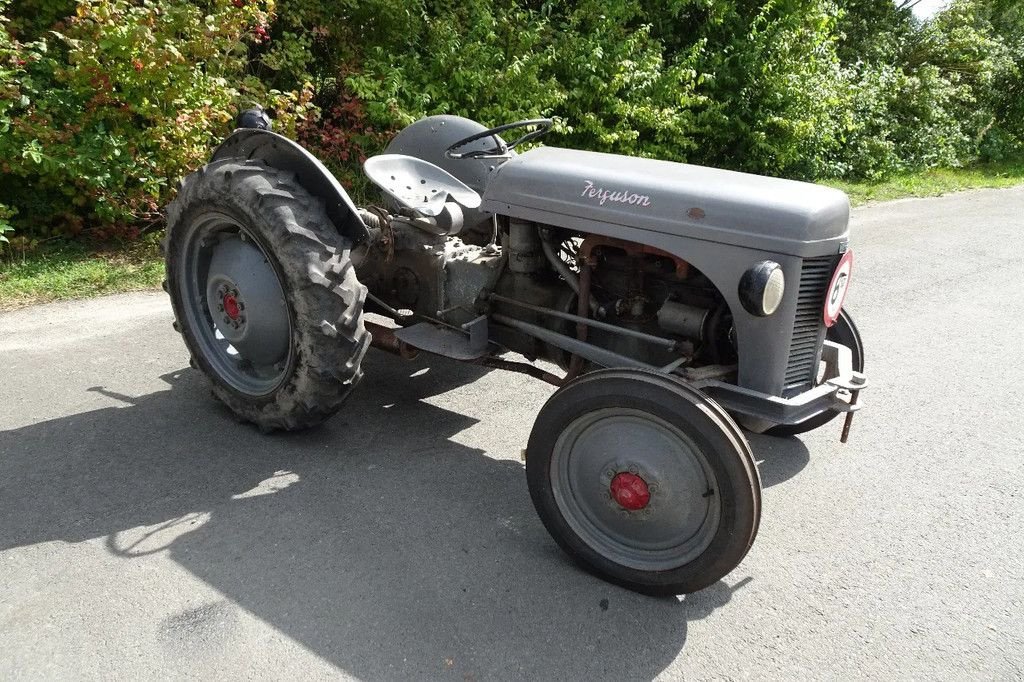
(630, 491)
(231, 306)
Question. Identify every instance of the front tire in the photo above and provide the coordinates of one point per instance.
(264, 294)
(644, 481)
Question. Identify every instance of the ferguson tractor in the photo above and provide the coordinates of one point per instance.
(674, 307)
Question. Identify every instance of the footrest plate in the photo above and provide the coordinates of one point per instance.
(442, 341)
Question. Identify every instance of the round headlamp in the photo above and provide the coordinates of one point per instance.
(762, 287)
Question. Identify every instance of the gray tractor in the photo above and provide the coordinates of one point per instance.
(673, 306)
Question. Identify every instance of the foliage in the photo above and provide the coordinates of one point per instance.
(105, 104)
(107, 110)
(343, 137)
(928, 95)
(6, 228)
(779, 103)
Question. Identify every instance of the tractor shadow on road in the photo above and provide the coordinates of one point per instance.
(376, 541)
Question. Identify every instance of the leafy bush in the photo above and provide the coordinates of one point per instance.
(6, 228)
(778, 101)
(105, 104)
(343, 137)
(105, 112)
(595, 66)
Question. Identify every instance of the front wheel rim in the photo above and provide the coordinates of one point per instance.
(235, 305)
(636, 489)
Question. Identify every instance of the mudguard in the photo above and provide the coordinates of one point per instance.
(284, 154)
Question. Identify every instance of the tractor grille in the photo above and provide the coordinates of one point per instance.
(808, 327)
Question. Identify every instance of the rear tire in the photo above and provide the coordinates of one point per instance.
(644, 481)
(242, 232)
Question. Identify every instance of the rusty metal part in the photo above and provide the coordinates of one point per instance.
(384, 338)
(849, 418)
(522, 368)
(857, 382)
(381, 220)
(582, 309)
(594, 241)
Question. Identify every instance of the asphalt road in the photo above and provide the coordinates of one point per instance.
(145, 533)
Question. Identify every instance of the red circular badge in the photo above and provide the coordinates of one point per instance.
(630, 491)
(836, 293)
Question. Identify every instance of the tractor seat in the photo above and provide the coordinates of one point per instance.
(417, 184)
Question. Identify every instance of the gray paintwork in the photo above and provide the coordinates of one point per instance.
(717, 205)
(757, 217)
(418, 184)
(428, 138)
(721, 222)
(761, 370)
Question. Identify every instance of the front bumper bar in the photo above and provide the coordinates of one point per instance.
(834, 393)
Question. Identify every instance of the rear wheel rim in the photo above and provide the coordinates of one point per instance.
(677, 514)
(235, 305)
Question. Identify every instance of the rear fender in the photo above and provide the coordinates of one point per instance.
(281, 153)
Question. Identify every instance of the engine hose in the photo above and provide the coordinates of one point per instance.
(562, 269)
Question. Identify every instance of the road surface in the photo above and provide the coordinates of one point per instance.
(145, 533)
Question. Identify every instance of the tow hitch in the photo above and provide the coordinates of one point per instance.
(855, 384)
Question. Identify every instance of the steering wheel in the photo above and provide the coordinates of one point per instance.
(500, 149)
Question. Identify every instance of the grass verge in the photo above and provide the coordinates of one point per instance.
(934, 182)
(57, 272)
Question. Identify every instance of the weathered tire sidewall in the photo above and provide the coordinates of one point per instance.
(738, 484)
(845, 332)
(311, 259)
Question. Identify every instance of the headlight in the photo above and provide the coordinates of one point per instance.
(762, 287)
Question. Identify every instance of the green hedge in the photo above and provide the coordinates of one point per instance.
(105, 104)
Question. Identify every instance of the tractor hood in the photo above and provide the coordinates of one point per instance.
(565, 187)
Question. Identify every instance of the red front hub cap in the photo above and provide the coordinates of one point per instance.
(231, 306)
(630, 491)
